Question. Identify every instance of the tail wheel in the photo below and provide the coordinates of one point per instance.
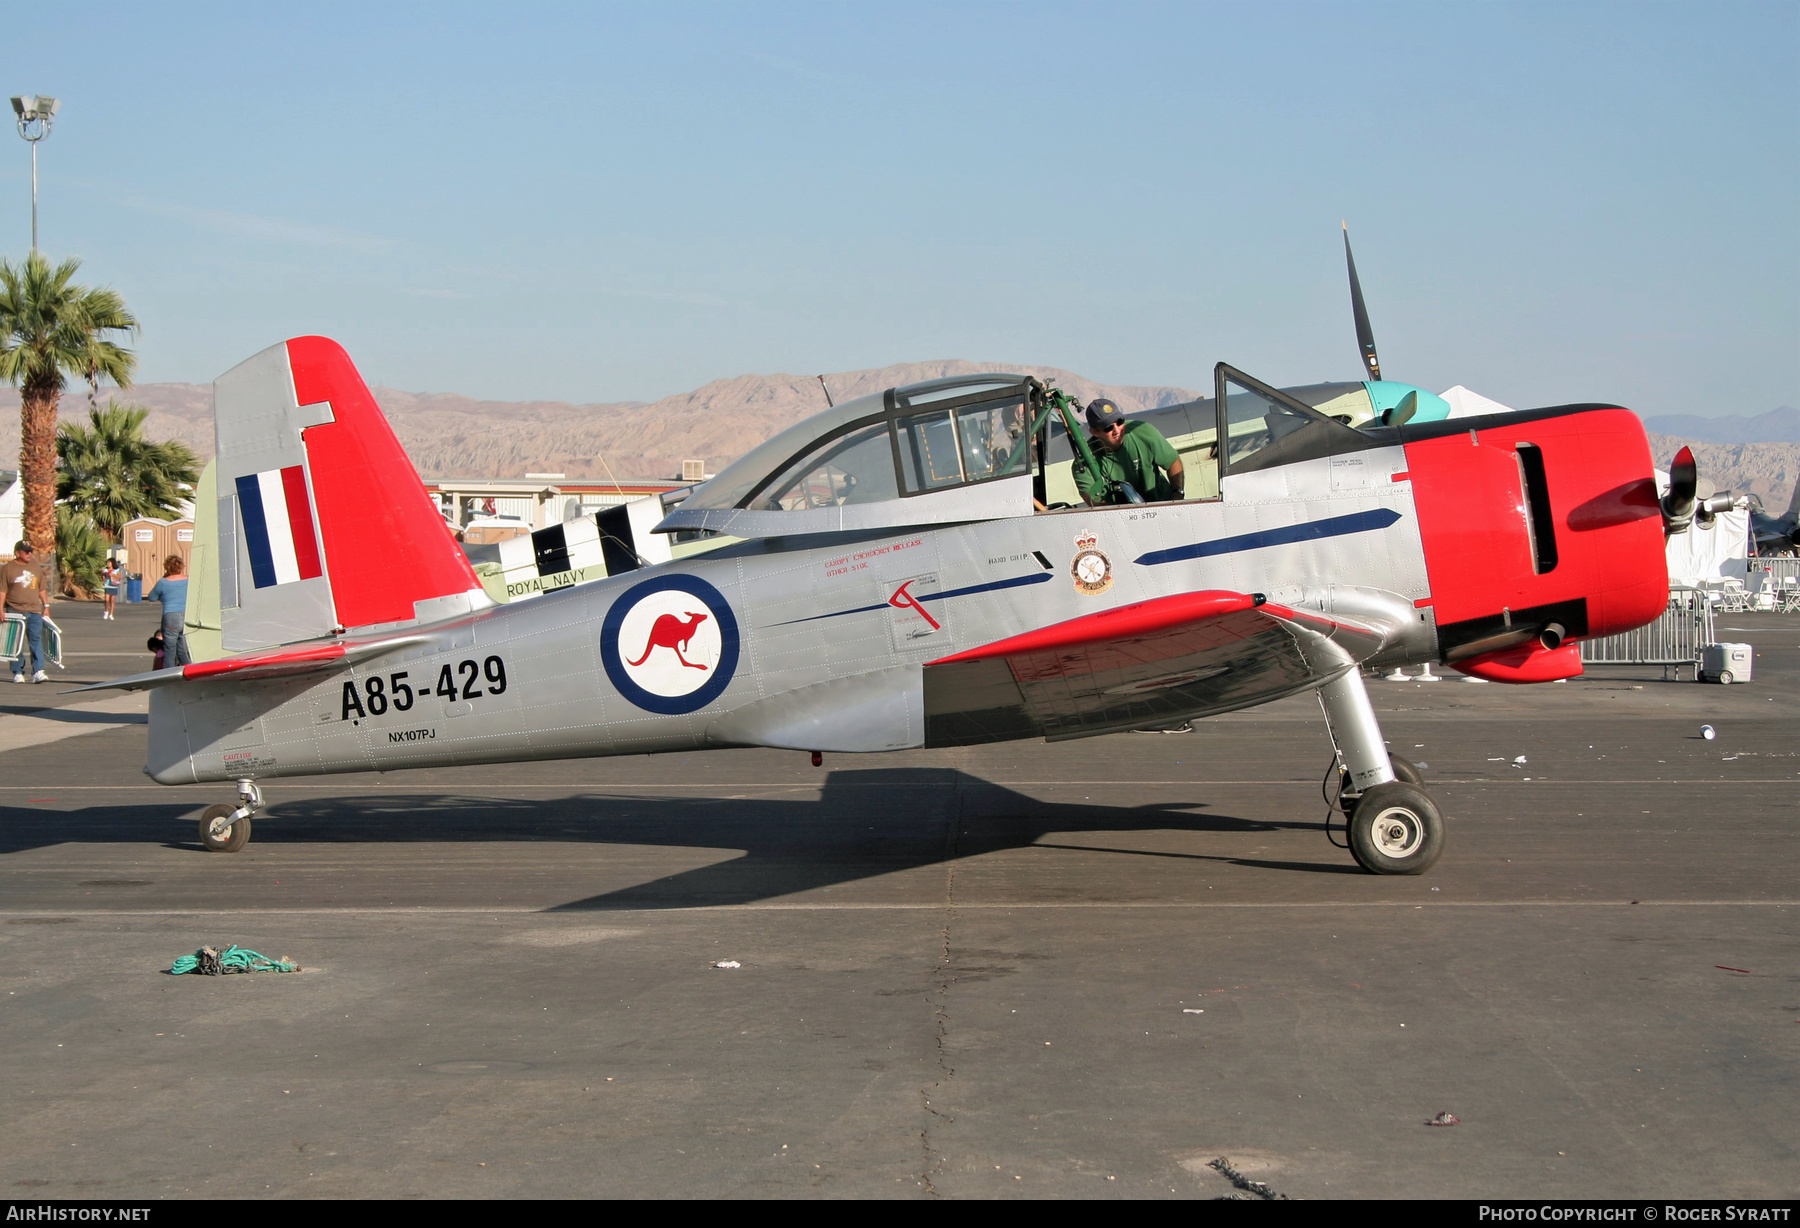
(1396, 829)
(230, 839)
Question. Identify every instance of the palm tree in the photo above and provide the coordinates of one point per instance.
(51, 329)
(108, 471)
(80, 550)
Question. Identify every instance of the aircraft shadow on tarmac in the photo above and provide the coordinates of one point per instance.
(75, 716)
(865, 823)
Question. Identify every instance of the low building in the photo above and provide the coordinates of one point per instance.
(536, 501)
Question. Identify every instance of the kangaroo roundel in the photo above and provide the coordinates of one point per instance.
(670, 645)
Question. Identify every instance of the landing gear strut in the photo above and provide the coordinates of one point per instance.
(225, 828)
(1394, 825)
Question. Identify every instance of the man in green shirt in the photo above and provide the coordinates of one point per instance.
(1133, 452)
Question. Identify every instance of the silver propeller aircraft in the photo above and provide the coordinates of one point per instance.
(908, 569)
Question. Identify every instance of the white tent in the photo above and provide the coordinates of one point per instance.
(12, 511)
(1720, 551)
(1466, 404)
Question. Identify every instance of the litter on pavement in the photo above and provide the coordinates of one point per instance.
(210, 961)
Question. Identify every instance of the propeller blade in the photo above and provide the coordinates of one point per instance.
(1365, 336)
(1678, 504)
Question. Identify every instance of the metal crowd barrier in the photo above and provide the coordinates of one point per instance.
(1784, 569)
(1672, 641)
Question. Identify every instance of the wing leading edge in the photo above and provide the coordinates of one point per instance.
(1150, 663)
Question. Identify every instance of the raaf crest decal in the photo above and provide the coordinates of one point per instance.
(670, 645)
(1090, 569)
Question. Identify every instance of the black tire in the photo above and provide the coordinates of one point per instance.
(231, 839)
(1405, 770)
(1396, 829)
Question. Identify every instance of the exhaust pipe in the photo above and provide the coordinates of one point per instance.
(1710, 508)
(1552, 636)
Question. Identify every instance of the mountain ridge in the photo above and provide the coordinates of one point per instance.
(1780, 425)
(450, 435)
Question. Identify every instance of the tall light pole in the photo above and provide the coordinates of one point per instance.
(35, 113)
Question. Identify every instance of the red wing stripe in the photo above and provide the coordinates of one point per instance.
(1308, 617)
(300, 521)
(1126, 622)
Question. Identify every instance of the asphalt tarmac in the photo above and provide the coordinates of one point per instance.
(1081, 970)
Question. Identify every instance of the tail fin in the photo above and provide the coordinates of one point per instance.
(1793, 511)
(323, 523)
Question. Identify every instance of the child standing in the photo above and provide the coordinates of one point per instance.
(111, 575)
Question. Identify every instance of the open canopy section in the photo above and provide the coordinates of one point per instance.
(941, 451)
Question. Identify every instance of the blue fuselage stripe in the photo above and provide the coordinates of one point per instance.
(1312, 530)
(1040, 577)
(989, 587)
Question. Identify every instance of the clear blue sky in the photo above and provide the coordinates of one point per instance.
(1550, 202)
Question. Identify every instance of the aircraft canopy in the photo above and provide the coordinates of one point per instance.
(939, 451)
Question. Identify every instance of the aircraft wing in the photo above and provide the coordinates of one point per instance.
(1141, 665)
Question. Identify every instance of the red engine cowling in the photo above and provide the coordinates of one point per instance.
(1538, 529)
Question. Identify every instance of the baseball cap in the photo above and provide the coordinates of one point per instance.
(1103, 415)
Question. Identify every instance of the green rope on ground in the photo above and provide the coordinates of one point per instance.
(210, 962)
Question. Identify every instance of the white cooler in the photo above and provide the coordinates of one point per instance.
(1725, 663)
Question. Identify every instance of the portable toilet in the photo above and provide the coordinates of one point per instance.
(149, 541)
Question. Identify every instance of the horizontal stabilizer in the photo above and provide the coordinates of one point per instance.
(276, 663)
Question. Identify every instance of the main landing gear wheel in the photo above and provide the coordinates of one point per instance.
(228, 839)
(1395, 828)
